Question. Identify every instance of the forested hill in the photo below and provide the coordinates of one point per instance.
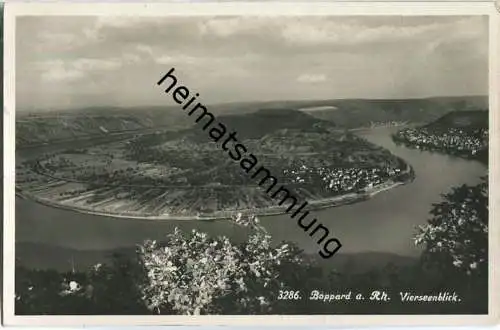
(265, 121)
(357, 113)
(465, 120)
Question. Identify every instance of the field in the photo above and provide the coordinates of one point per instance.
(183, 174)
(154, 162)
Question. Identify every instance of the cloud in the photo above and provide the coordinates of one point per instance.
(53, 71)
(85, 64)
(249, 58)
(60, 70)
(354, 32)
(223, 27)
(311, 78)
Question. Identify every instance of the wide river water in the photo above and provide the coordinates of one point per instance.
(385, 223)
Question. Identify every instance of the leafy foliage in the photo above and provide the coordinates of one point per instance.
(456, 237)
(193, 273)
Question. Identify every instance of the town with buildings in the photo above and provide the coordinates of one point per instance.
(462, 134)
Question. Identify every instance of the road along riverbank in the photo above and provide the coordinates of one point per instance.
(318, 204)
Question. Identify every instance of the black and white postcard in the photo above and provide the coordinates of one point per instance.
(246, 163)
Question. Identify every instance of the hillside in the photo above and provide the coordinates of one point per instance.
(357, 113)
(184, 175)
(466, 120)
(34, 129)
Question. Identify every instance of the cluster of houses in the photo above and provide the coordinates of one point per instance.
(452, 139)
(341, 180)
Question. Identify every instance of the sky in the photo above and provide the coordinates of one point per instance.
(72, 62)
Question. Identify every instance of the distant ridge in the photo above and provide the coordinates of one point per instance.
(359, 113)
(45, 127)
(481, 100)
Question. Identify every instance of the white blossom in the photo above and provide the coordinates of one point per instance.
(196, 269)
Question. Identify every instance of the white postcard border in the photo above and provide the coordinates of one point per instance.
(12, 10)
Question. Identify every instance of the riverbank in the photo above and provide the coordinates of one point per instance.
(319, 204)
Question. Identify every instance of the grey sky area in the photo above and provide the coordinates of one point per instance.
(69, 62)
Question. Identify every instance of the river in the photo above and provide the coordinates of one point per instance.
(385, 223)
